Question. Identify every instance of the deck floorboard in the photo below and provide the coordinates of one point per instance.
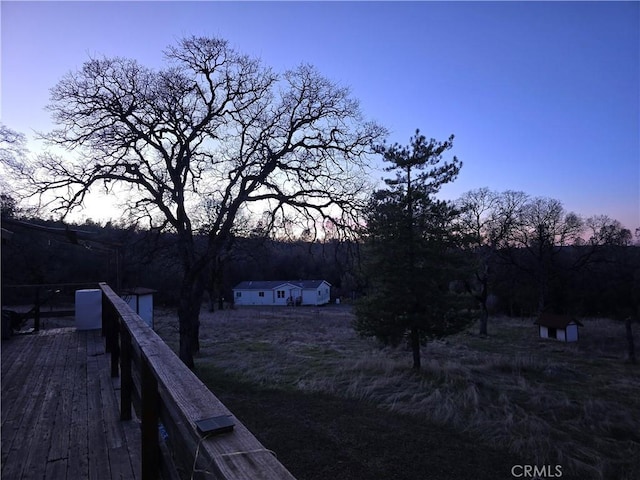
(60, 416)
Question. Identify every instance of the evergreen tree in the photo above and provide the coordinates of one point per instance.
(411, 250)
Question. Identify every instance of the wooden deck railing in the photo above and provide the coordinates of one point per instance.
(169, 398)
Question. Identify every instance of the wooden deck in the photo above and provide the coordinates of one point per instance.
(60, 410)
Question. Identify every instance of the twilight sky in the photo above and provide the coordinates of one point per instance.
(542, 97)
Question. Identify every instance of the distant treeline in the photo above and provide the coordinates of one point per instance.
(49, 252)
(583, 280)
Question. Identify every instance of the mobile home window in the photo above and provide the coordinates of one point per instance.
(280, 293)
(261, 294)
(238, 294)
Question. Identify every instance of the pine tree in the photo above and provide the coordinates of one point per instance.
(411, 250)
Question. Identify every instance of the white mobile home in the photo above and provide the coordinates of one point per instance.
(285, 292)
(559, 327)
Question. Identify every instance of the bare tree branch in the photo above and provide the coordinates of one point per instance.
(214, 128)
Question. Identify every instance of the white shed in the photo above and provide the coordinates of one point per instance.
(559, 327)
(282, 292)
(140, 299)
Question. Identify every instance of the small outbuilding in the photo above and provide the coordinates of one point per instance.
(140, 299)
(558, 327)
(282, 292)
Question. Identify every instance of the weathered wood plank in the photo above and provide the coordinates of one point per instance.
(57, 469)
(57, 382)
(131, 431)
(45, 429)
(45, 410)
(22, 393)
(109, 410)
(78, 461)
(99, 467)
(23, 435)
(119, 460)
(236, 454)
(185, 399)
(59, 451)
(14, 353)
(14, 356)
(17, 354)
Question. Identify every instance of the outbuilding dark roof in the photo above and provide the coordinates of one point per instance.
(271, 284)
(555, 320)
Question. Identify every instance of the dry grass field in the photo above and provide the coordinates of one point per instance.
(334, 405)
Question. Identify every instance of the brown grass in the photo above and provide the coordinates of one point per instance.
(545, 401)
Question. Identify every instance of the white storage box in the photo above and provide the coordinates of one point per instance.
(88, 309)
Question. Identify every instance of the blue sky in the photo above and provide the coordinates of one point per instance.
(542, 97)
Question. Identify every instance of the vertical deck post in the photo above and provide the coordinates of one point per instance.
(110, 324)
(106, 304)
(115, 348)
(150, 416)
(36, 314)
(126, 380)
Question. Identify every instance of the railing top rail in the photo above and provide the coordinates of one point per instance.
(231, 456)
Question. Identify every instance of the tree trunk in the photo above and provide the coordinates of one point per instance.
(542, 295)
(415, 347)
(195, 332)
(191, 295)
(482, 299)
(631, 347)
(219, 283)
(186, 350)
(484, 318)
(212, 301)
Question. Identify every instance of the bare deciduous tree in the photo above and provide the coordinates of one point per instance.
(542, 228)
(214, 127)
(13, 163)
(487, 221)
(607, 231)
(478, 223)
